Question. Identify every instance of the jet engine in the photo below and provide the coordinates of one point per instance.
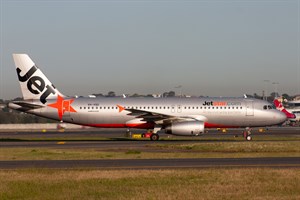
(186, 128)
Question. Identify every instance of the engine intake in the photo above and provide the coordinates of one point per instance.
(185, 128)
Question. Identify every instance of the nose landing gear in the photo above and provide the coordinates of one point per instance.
(154, 136)
(247, 134)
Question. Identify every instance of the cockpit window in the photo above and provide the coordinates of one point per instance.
(269, 107)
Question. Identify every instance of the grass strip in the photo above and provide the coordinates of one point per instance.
(250, 183)
(159, 150)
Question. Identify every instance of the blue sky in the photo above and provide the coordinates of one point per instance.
(211, 48)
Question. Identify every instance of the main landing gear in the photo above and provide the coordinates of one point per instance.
(154, 136)
(247, 134)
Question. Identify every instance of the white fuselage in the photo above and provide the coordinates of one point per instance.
(214, 112)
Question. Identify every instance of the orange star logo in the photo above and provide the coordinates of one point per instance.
(121, 108)
(62, 106)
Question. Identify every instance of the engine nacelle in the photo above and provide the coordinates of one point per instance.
(186, 128)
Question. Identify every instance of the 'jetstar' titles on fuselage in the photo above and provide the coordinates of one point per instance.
(221, 103)
(36, 84)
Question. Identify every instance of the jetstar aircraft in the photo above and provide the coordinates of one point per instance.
(177, 116)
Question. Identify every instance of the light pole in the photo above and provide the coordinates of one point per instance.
(276, 88)
(265, 97)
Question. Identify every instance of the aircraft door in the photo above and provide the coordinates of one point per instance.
(249, 108)
(66, 111)
(66, 108)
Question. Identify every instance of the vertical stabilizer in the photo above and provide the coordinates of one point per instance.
(279, 106)
(34, 84)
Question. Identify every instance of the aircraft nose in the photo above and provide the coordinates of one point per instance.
(281, 117)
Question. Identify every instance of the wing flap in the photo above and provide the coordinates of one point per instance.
(159, 118)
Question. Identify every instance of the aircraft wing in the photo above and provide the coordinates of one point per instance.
(24, 106)
(147, 116)
(159, 118)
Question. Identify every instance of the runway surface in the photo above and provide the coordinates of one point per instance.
(112, 138)
(84, 139)
(155, 163)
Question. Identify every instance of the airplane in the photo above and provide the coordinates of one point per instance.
(292, 113)
(177, 116)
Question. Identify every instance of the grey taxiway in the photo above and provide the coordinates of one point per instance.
(117, 141)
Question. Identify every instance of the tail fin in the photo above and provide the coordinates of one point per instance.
(278, 104)
(34, 84)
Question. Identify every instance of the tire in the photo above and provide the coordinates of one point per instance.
(248, 138)
(154, 137)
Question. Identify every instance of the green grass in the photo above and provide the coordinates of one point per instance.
(237, 147)
(212, 183)
(250, 183)
(160, 150)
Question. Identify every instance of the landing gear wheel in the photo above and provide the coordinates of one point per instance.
(248, 138)
(247, 134)
(154, 137)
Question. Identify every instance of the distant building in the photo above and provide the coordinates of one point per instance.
(296, 98)
(294, 107)
(2, 106)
